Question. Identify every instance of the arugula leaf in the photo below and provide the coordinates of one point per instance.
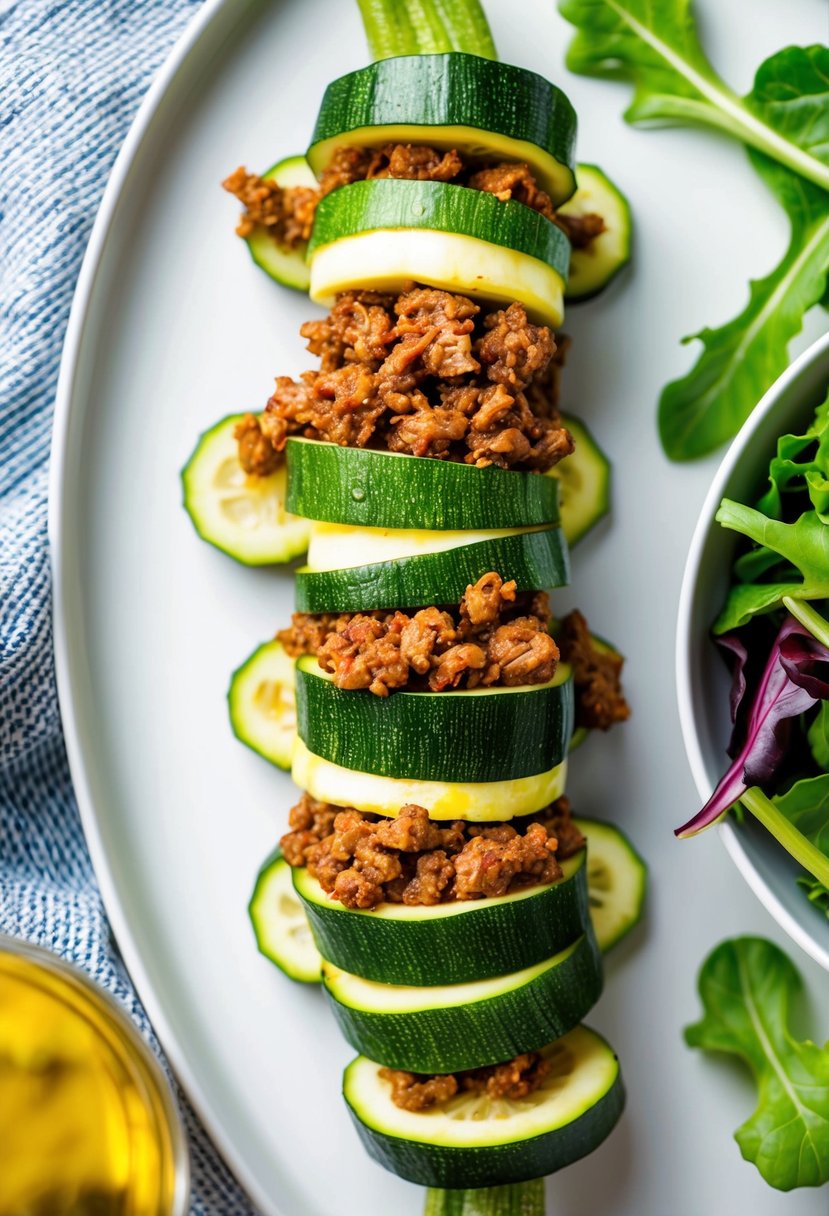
(701, 410)
(806, 806)
(654, 44)
(818, 736)
(788, 473)
(816, 892)
(805, 544)
(746, 986)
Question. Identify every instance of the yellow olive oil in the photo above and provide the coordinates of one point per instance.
(87, 1122)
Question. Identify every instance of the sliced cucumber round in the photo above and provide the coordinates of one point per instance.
(287, 266)
(279, 922)
(262, 703)
(535, 560)
(451, 1028)
(451, 943)
(383, 233)
(584, 483)
(472, 1140)
(617, 880)
(592, 267)
(244, 516)
(479, 802)
(484, 109)
(443, 736)
(365, 488)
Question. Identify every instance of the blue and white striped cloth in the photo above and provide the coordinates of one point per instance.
(72, 73)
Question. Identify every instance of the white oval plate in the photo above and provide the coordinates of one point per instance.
(172, 328)
(702, 679)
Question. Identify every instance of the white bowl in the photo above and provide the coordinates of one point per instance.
(702, 679)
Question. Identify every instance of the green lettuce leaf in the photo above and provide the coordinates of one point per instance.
(816, 892)
(741, 359)
(806, 806)
(654, 44)
(746, 986)
(804, 544)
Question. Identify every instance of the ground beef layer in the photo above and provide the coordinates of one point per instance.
(287, 213)
(426, 373)
(494, 637)
(516, 1079)
(363, 860)
(597, 675)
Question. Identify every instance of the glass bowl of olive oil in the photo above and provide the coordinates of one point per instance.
(88, 1124)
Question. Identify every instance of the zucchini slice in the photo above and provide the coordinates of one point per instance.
(584, 483)
(592, 268)
(485, 109)
(279, 922)
(536, 560)
(286, 266)
(475, 1141)
(617, 880)
(437, 736)
(479, 802)
(340, 546)
(262, 703)
(451, 943)
(443, 1029)
(364, 488)
(383, 233)
(243, 516)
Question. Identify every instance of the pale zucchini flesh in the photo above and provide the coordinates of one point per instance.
(387, 260)
(280, 925)
(262, 703)
(242, 515)
(286, 266)
(616, 881)
(593, 267)
(479, 802)
(341, 546)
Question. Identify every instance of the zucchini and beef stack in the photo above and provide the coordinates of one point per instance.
(433, 878)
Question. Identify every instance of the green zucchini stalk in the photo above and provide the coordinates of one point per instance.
(426, 27)
(516, 1199)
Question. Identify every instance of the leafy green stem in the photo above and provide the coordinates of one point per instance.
(420, 27)
(809, 618)
(515, 1199)
(793, 841)
(725, 110)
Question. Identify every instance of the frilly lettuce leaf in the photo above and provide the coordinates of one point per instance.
(746, 986)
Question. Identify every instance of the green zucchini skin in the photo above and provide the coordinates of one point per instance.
(536, 560)
(487, 938)
(486, 1031)
(387, 203)
(364, 488)
(454, 90)
(427, 1161)
(443, 736)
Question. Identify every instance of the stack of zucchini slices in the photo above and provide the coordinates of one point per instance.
(459, 985)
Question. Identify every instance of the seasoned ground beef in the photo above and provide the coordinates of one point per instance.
(257, 456)
(493, 637)
(512, 1081)
(600, 702)
(427, 373)
(288, 213)
(363, 860)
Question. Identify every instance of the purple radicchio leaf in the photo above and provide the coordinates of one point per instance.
(788, 687)
(737, 663)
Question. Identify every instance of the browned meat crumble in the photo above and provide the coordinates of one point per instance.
(512, 1081)
(597, 675)
(363, 860)
(257, 455)
(493, 637)
(427, 373)
(288, 213)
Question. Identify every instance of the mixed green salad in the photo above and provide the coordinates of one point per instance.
(774, 632)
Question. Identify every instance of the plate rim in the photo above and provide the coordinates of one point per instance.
(64, 409)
